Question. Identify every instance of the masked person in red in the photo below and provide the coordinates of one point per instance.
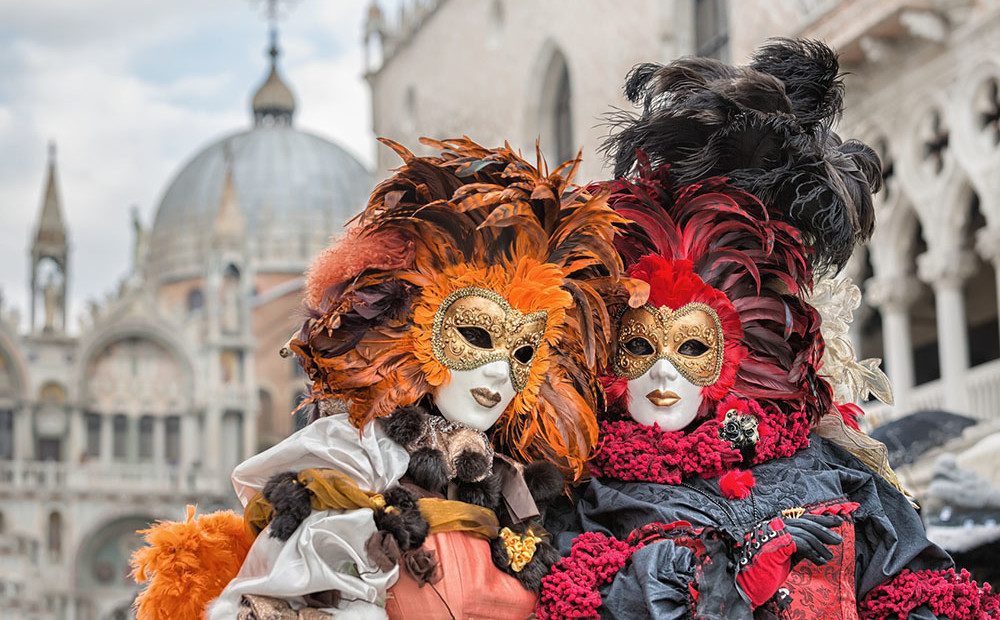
(712, 494)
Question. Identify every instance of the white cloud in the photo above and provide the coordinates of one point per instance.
(98, 78)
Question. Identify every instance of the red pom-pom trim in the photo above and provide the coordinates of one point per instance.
(736, 484)
(629, 451)
(945, 593)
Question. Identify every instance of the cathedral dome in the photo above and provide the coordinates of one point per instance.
(293, 190)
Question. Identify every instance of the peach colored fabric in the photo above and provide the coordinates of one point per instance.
(474, 588)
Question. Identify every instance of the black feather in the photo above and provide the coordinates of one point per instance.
(766, 126)
(545, 482)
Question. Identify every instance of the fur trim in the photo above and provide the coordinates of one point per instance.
(291, 503)
(544, 482)
(187, 564)
(428, 469)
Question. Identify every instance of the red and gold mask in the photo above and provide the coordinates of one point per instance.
(690, 337)
(686, 322)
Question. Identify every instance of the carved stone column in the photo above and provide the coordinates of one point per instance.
(947, 272)
(893, 297)
(988, 246)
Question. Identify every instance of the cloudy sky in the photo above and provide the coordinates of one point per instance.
(129, 90)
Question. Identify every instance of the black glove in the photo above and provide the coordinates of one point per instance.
(774, 547)
(812, 534)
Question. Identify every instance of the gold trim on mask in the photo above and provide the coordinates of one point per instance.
(665, 331)
(513, 337)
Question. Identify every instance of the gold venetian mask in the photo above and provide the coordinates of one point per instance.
(689, 337)
(476, 326)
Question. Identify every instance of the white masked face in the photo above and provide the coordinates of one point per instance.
(663, 396)
(477, 397)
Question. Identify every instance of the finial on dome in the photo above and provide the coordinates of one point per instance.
(273, 103)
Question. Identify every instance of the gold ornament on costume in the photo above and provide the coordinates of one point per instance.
(520, 547)
(690, 338)
(475, 326)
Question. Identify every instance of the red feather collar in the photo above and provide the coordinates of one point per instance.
(630, 451)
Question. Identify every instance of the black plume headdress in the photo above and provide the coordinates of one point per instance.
(765, 126)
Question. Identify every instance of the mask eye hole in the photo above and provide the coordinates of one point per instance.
(639, 346)
(524, 354)
(477, 337)
(692, 348)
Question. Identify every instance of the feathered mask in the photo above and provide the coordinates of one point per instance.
(474, 238)
(713, 244)
(766, 127)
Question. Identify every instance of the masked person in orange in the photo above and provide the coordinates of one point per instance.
(453, 342)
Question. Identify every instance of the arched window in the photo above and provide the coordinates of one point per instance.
(711, 29)
(195, 300)
(93, 424)
(923, 321)
(119, 432)
(869, 319)
(555, 120)
(6, 434)
(230, 301)
(55, 535)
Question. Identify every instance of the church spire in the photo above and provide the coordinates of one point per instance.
(51, 233)
(49, 254)
(273, 103)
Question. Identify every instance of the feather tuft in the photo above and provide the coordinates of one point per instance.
(186, 564)
(766, 127)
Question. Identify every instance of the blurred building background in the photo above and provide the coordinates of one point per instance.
(177, 379)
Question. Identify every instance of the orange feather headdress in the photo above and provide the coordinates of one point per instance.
(469, 217)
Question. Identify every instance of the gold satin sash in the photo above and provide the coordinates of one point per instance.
(334, 490)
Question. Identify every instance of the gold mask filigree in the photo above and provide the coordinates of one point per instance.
(690, 338)
(476, 326)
